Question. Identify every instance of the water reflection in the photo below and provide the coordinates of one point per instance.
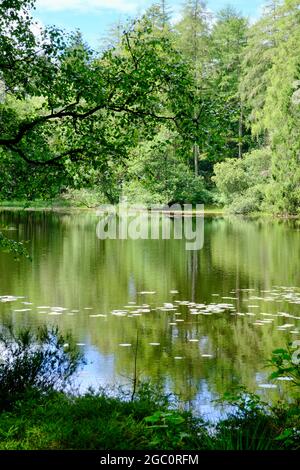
(248, 265)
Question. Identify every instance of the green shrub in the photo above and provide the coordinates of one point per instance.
(159, 172)
(250, 425)
(84, 197)
(178, 185)
(244, 205)
(41, 360)
(287, 363)
(283, 192)
(8, 245)
(136, 192)
(242, 183)
(98, 421)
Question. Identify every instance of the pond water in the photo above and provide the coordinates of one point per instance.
(206, 320)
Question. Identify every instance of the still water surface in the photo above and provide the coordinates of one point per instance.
(206, 320)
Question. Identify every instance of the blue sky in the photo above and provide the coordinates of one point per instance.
(95, 17)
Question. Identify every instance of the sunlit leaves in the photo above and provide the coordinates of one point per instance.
(18, 249)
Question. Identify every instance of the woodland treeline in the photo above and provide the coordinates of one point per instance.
(203, 110)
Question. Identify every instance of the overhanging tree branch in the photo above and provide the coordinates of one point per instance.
(54, 161)
(26, 127)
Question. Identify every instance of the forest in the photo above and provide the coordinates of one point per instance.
(203, 110)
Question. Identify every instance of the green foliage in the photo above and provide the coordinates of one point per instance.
(262, 42)
(228, 43)
(83, 197)
(269, 88)
(242, 182)
(158, 174)
(76, 112)
(41, 360)
(248, 427)
(17, 182)
(255, 425)
(287, 363)
(155, 111)
(11, 246)
(169, 426)
(193, 33)
(95, 421)
(282, 119)
(101, 422)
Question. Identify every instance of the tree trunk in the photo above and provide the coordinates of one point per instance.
(241, 132)
(196, 158)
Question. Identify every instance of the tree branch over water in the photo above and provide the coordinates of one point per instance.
(70, 90)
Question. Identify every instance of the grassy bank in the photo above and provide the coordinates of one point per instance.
(97, 421)
(36, 412)
(44, 205)
(69, 205)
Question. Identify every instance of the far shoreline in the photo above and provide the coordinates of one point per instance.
(60, 207)
(56, 207)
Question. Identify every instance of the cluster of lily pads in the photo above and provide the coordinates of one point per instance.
(252, 306)
(278, 294)
(239, 303)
